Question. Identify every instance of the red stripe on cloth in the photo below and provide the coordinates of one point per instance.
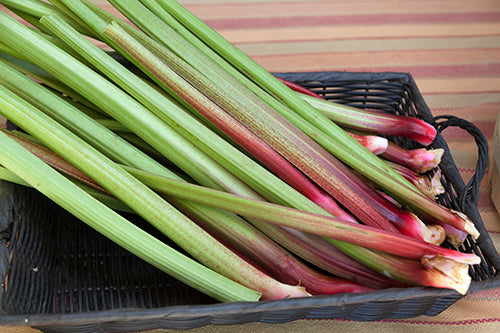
(492, 69)
(429, 322)
(302, 21)
(480, 111)
(485, 203)
(318, 8)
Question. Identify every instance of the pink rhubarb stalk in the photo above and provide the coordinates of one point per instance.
(376, 144)
(268, 256)
(326, 226)
(420, 160)
(430, 186)
(300, 89)
(454, 236)
(324, 255)
(376, 122)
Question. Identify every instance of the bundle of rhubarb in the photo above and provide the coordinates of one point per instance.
(269, 190)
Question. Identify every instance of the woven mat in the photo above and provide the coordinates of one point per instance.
(451, 47)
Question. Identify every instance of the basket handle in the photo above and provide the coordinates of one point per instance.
(471, 190)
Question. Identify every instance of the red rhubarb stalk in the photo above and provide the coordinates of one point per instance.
(300, 89)
(420, 160)
(376, 144)
(268, 255)
(324, 255)
(430, 186)
(376, 122)
(451, 275)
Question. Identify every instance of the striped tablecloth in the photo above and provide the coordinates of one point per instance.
(451, 47)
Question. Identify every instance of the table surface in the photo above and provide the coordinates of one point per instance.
(451, 47)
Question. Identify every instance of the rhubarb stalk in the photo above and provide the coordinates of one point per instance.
(320, 166)
(145, 202)
(419, 160)
(336, 141)
(115, 227)
(376, 122)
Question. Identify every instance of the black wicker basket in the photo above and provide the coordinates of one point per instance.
(58, 275)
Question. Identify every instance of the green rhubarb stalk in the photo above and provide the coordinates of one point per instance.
(311, 223)
(238, 233)
(299, 271)
(42, 76)
(320, 166)
(116, 228)
(336, 140)
(254, 145)
(113, 203)
(141, 199)
(37, 8)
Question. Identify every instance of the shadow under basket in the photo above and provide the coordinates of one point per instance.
(58, 275)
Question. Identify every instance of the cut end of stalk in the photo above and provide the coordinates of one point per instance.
(454, 236)
(285, 291)
(469, 226)
(435, 235)
(457, 274)
(435, 188)
(426, 159)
